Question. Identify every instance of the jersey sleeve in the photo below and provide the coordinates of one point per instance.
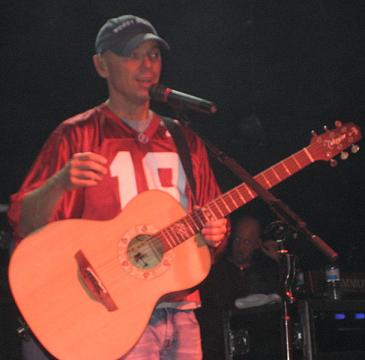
(53, 156)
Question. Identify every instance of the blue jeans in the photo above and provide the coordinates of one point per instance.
(170, 335)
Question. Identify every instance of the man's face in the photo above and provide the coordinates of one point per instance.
(246, 238)
(130, 77)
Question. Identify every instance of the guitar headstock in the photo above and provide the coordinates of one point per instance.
(333, 142)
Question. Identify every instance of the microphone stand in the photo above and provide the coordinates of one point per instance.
(284, 213)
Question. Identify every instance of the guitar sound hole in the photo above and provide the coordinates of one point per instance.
(144, 251)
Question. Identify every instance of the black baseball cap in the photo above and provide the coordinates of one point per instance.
(123, 34)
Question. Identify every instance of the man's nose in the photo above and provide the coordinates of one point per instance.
(147, 62)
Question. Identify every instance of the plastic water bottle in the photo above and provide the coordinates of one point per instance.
(333, 282)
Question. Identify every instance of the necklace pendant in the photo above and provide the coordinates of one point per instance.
(143, 138)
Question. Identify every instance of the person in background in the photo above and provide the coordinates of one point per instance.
(95, 162)
(245, 270)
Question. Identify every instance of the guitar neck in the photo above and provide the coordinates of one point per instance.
(242, 194)
(232, 200)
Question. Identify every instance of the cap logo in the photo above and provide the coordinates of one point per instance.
(128, 23)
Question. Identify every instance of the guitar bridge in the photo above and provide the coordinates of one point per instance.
(93, 283)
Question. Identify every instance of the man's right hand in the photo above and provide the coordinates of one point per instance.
(82, 170)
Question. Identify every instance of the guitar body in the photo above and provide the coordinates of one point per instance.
(87, 292)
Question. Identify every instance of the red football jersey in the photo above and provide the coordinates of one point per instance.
(135, 164)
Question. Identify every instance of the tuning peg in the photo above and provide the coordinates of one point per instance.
(313, 132)
(325, 128)
(344, 155)
(355, 148)
(338, 123)
(333, 163)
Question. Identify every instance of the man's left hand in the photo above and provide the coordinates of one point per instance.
(214, 232)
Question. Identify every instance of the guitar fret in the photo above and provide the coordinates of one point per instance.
(266, 180)
(250, 192)
(302, 158)
(273, 170)
(173, 236)
(219, 211)
(285, 168)
(240, 191)
(195, 228)
(235, 204)
(296, 161)
(166, 237)
(230, 203)
(203, 217)
(273, 176)
(197, 217)
(240, 196)
(188, 226)
(243, 193)
(224, 204)
(292, 165)
(181, 230)
(169, 244)
(282, 170)
(308, 155)
(209, 212)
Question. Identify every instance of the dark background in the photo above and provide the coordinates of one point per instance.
(275, 69)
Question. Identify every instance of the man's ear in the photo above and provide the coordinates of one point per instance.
(100, 65)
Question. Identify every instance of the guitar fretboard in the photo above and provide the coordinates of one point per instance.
(191, 224)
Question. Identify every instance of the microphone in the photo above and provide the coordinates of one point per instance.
(179, 100)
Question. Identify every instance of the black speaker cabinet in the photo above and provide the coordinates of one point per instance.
(253, 334)
(333, 329)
